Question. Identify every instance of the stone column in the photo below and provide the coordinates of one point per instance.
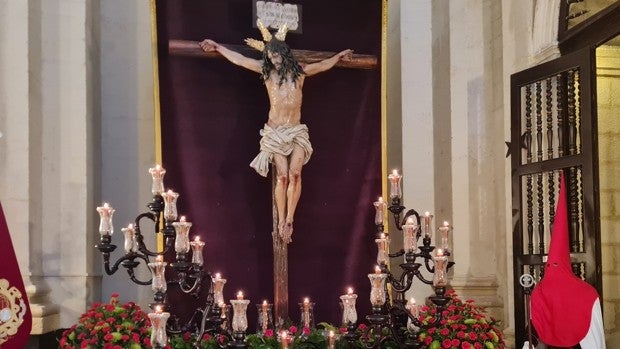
(425, 63)
(49, 84)
(478, 153)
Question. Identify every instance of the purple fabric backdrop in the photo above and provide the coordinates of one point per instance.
(211, 114)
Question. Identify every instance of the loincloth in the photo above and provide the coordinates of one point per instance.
(280, 140)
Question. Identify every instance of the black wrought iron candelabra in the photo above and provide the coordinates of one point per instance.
(394, 320)
(189, 274)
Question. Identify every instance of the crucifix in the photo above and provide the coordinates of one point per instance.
(284, 92)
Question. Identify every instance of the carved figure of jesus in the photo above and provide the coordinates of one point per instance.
(285, 140)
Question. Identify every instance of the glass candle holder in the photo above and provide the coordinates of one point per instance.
(440, 278)
(427, 220)
(444, 234)
(395, 186)
(349, 313)
(197, 247)
(265, 317)
(157, 186)
(240, 318)
(283, 338)
(414, 311)
(106, 228)
(181, 242)
(218, 288)
(158, 274)
(170, 205)
(225, 317)
(331, 340)
(306, 309)
(377, 289)
(131, 245)
(158, 323)
(409, 229)
(379, 210)
(382, 249)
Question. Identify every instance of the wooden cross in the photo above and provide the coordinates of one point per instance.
(192, 49)
(280, 249)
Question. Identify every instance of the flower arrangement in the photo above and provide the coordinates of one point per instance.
(109, 326)
(464, 326)
(187, 341)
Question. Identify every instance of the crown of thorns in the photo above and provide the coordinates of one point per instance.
(260, 45)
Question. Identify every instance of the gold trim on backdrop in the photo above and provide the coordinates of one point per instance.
(156, 103)
(384, 30)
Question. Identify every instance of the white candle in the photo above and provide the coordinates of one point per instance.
(394, 178)
(379, 210)
(444, 234)
(106, 228)
(349, 313)
(409, 229)
(157, 173)
(197, 247)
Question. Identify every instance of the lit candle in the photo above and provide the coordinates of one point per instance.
(331, 340)
(440, 278)
(181, 242)
(157, 173)
(158, 274)
(349, 313)
(409, 229)
(197, 247)
(377, 288)
(382, 249)
(264, 316)
(284, 339)
(426, 226)
(131, 245)
(240, 319)
(395, 190)
(158, 323)
(444, 233)
(413, 308)
(305, 314)
(170, 205)
(377, 269)
(106, 212)
(218, 288)
(379, 210)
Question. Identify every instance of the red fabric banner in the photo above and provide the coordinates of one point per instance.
(15, 316)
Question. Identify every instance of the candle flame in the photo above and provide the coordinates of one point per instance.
(395, 172)
(412, 301)
(446, 224)
(439, 252)
(377, 269)
(240, 295)
(427, 214)
(265, 302)
(182, 219)
(306, 300)
(331, 334)
(350, 290)
(158, 309)
(218, 276)
(159, 258)
(197, 238)
(382, 236)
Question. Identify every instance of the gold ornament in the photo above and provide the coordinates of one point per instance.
(12, 310)
(260, 45)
